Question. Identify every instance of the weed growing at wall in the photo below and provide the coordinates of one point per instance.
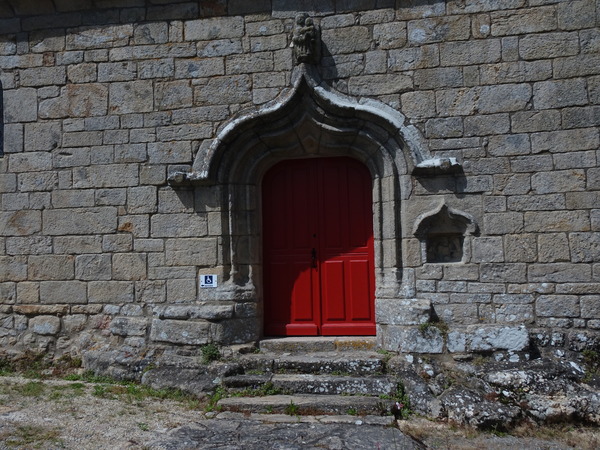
(210, 353)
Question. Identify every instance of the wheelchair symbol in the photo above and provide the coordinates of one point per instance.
(208, 281)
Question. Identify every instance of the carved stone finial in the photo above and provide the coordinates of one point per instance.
(305, 40)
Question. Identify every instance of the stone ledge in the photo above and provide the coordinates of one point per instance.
(472, 338)
(33, 310)
(391, 311)
(478, 338)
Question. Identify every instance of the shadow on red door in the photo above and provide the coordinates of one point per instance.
(318, 248)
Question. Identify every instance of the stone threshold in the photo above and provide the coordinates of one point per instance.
(312, 344)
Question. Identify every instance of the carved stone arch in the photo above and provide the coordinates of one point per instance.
(308, 120)
(442, 234)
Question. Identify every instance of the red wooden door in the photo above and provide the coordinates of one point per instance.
(318, 248)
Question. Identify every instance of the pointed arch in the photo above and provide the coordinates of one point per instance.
(308, 120)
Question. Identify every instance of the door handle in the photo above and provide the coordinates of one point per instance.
(313, 258)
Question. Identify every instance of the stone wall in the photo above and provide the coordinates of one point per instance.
(103, 100)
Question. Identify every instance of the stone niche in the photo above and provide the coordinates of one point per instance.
(442, 233)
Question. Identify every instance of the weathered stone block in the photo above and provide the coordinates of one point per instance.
(439, 29)
(214, 28)
(557, 306)
(418, 105)
(546, 202)
(503, 98)
(178, 225)
(576, 14)
(488, 249)
(521, 21)
(180, 332)
(559, 273)
(105, 37)
(82, 73)
(243, 64)
(574, 160)
(13, 268)
(70, 292)
(38, 181)
(390, 35)
(51, 267)
(104, 176)
(181, 290)
(73, 198)
(590, 306)
(169, 152)
(128, 326)
(559, 93)
(461, 272)
(129, 266)
(131, 97)
(486, 125)
(511, 313)
(564, 140)
(509, 145)
(235, 331)
(411, 58)
(28, 292)
(77, 244)
(531, 121)
(553, 247)
(548, 221)
(470, 52)
(532, 163)
(458, 314)
(191, 252)
(585, 247)
(548, 45)
(20, 105)
(208, 311)
(443, 128)
(93, 267)
(20, 223)
(508, 272)
(478, 338)
(45, 325)
(457, 102)
(173, 94)
(402, 311)
(76, 100)
(42, 136)
(74, 323)
(150, 291)
(110, 292)
(503, 223)
(8, 293)
(382, 84)
(410, 339)
(80, 221)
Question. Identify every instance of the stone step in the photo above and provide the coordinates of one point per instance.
(350, 363)
(310, 344)
(333, 385)
(315, 384)
(306, 404)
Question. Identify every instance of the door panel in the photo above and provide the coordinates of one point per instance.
(318, 248)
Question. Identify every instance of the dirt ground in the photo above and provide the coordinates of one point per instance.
(79, 414)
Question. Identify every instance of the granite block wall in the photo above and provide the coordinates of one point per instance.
(104, 99)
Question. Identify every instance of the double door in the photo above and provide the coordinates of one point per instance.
(318, 248)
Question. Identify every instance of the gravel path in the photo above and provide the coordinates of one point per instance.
(53, 414)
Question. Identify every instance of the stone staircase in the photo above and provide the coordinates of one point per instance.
(311, 376)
